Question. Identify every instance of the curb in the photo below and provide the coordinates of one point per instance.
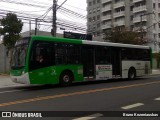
(2, 74)
(153, 74)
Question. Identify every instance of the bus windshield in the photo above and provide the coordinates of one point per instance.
(19, 54)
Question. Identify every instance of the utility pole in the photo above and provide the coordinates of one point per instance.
(142, 22)
(36, 20)
(54, 26)
(30, 28)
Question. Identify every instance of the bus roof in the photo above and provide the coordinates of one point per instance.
(115, 44)
(87, 42)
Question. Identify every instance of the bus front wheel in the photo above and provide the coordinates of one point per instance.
(131, 74)
(66, 78)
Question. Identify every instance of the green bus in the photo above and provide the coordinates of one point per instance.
(52, 60)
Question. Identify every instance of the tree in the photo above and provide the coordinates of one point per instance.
(117, 35)
(11, 28)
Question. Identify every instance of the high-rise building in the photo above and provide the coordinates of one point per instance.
(137, 15)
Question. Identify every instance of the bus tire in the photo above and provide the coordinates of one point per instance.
(132, 74)
(66, 78)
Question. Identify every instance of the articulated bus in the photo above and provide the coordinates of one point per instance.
(51, 60)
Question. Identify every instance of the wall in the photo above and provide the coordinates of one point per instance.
(4, 60)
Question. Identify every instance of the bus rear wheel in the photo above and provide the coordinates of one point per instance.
(132, 74)
(66, 78)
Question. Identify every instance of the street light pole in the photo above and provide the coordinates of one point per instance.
(54, 26)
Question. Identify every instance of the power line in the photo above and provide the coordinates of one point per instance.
(24, 15)
(45, 14)
(61, 4)
(22, 3)
(42, 6)
(32, 16)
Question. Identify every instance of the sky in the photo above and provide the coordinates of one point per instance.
(36, 8)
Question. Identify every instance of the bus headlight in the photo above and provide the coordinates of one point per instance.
(23, 72)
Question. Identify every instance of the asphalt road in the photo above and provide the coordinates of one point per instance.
(96, 100)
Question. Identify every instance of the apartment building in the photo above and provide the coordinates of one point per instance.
(137, 15)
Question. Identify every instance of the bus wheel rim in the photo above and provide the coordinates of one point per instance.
(132, 75)
(66, 78)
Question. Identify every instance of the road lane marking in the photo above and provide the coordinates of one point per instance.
(89, 117)
(10, 91)
(12, 86)
(157, 98)
(73, 94)
(132, 106)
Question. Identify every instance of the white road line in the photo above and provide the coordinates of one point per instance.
(10, 91)
(157, 98)
(12, 86)
(132, 106)
(89, 117)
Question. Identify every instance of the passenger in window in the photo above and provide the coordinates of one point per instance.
(40, 59)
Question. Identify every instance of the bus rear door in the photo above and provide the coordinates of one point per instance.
(116, 61)
(88, 62)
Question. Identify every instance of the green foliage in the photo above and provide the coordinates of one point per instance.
(12, 27)
(117, 35)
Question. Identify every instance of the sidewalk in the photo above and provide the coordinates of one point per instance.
(5, 80)
(156, 72)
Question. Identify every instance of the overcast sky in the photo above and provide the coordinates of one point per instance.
(78, 6)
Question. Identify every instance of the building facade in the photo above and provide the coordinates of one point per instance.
(136, 15)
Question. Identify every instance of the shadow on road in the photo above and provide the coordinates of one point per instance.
(50, 86)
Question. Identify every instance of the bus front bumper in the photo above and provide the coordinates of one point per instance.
(23, 79)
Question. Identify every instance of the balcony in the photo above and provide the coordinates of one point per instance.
(140, 9)
(138, 29)
(138, 19)
(119, 23)
(119, 4)
(119, 14)
(135, 1)
(106, 26)
(107, 17)
(106, 1)
(106, 8)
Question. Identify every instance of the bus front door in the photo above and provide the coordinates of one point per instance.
(116, 61)
(88, 62)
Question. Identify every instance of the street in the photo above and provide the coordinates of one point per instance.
(91, 99)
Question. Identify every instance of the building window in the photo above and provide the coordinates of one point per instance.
(98, 17)
(98, 1)
(98, 25)
(131, 8)
(90, 19)
(94, 18)
(98, 33)
(98, 9)
(90, 11)
(154, 36)
(94, 2)
(94, 10)
(154, 5)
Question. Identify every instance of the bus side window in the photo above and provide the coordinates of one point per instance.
(102, 55)
(66, 53)
(42, 55)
